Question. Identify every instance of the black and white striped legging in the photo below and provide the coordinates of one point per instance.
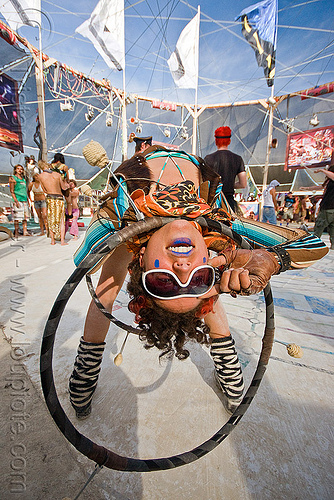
(83, 380)
(228, 369)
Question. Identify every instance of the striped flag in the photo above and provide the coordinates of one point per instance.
(20, 12)
(183, 63)
(259, 22)
(105, 29)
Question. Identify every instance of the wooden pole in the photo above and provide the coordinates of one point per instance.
(269, 141)
(40, 97)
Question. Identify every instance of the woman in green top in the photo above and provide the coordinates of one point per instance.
(20, 207)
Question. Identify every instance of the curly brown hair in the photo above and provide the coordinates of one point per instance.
(166, 330)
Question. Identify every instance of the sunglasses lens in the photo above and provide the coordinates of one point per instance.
(161, 284)
(164, 285)
(201, 281)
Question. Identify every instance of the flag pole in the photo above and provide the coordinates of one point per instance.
(269, 141)
(272, 105)
(194, 141)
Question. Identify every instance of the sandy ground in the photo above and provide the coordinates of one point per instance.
(282, 448)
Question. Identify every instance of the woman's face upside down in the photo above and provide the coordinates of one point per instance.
(178, 247)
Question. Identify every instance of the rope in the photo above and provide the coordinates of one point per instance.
(95, 471)
(95, 452)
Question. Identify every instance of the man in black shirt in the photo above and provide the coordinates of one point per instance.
(326, 214)
(228, 165)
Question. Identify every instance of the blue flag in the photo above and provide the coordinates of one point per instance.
(259, 29)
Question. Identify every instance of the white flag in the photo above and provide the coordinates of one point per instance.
(105, 29)
(20, 12)
(183, 63)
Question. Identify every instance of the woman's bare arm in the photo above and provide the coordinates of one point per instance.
(111, 281)
(328, 173)
(12, 183)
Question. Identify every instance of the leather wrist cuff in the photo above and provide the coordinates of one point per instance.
(282, 256)
(218, 274)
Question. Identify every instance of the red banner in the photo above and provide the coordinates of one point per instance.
(312, 148)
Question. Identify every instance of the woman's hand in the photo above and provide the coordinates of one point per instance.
(247, 271)
(235, 281)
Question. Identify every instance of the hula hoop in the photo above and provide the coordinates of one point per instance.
(98, 453)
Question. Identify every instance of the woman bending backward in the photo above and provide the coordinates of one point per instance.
(173, 288)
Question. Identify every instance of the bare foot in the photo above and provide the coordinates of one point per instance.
(75, 238)
(53, 242)
(63, 244)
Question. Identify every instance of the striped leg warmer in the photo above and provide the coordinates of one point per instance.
(228, 370)
(83, 380)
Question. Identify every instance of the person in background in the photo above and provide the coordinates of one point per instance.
(31, 168)
(296, 209)
(3, 216)
(326, 209)
(53, 184)
(308, 207)
(280, 212)
(39, 203)
(288, 208)
(270, 203)
(20, 206)
(317, 207)
(58, 164)
(73, 199)
(228, 165)
(141, 143)
(302, 209)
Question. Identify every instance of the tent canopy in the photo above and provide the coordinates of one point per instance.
(68, 131)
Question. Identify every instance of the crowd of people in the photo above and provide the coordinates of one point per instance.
(301, 209)
(47, 191)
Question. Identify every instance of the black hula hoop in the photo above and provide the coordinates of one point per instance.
(98, 453)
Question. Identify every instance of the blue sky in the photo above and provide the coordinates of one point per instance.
(228, 70)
